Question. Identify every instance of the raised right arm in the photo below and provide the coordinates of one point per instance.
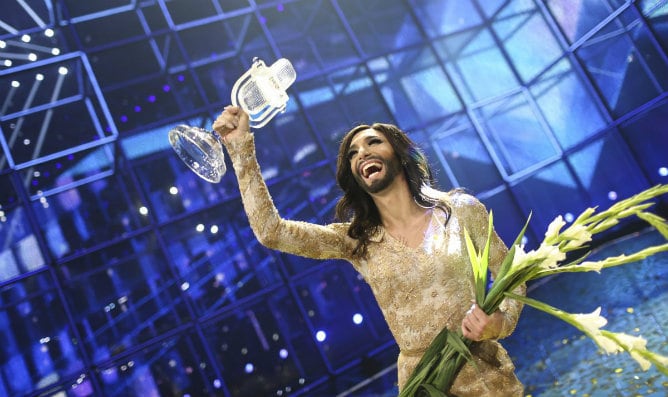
(294, 237)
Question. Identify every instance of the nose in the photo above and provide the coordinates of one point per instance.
(362, 152)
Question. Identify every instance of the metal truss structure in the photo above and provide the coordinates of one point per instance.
(123, 274)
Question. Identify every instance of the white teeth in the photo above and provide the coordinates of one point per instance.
(367, 166)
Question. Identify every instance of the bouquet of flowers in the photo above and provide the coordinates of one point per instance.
(449, 350)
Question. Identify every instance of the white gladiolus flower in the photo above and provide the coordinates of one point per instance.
(550, 256)
(442, 360)
(663, 360)
(546, 256)
(608, 345)
(553, 230)
(520, 257)
(590, 324)
(577, 235)
(591, 321)
(632, 344)
(642, 361)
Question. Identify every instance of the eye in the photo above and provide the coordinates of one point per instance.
(374, 141)
(351, 154)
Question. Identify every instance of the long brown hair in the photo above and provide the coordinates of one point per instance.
(358, 207)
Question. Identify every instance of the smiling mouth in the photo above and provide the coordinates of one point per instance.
(369, 169)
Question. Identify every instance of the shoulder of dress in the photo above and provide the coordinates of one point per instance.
(465, 205)
(341, 227)
(462, 199)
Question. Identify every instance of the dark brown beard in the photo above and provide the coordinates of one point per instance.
(393, 169)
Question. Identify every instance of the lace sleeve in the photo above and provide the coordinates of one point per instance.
(293, 237)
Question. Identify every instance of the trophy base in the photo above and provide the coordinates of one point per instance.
(200, 150)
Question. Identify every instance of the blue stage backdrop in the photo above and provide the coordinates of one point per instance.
(124, 274)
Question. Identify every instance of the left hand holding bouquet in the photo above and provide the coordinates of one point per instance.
(478, 325)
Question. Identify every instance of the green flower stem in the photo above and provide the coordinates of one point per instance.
(636, 347)
(496, 294)
(656, 221)
(438, 367)
(622, 205)
(601, 337)
(544, 307)
(605, 263)
(660, 362)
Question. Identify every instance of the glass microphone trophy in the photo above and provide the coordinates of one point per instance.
(260, 92)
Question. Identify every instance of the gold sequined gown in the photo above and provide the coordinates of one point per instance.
(419, 290)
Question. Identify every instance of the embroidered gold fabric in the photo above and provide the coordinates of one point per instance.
(419, 290)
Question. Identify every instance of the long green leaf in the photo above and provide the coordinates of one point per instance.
(427, 390)
(479, 278)
(484, 260)
(630, 202)
(508, 259)
(441, 362)
(611, 261)
(496, 293)
(656, 221)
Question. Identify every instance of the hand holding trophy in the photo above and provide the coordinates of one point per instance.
(260, 92)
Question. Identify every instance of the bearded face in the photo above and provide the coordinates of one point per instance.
(373, 163)
(376, 174)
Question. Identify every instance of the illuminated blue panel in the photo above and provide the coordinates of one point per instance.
(648, 135)
(556, 189)
(261, 341)
(516, 134)
(528, 41)
(415, 87)
(477, 66)
(40, 345)
(369, 22)
(607, 170)
(445, 17)
(469, 162)
(108, 240)
(624, 64)
(568, 106)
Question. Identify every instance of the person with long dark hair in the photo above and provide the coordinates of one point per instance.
(405, 238)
